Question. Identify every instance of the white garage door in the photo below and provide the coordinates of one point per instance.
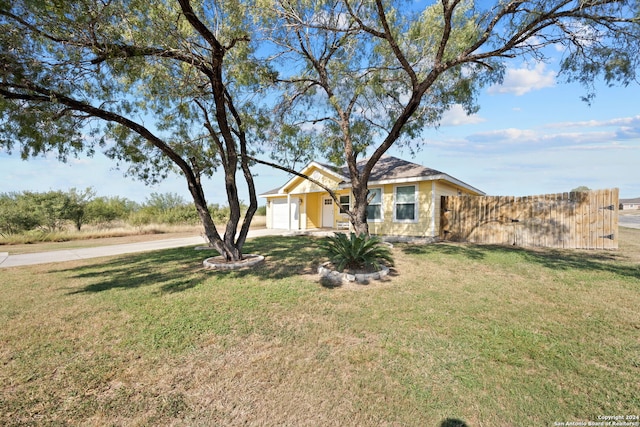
(280, 216)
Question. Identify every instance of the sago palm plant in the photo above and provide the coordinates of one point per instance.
(355, 252)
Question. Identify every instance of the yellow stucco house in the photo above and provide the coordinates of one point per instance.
(405, 199)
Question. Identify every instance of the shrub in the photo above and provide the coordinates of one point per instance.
(356, 252)
(104, 210)
(17, 215)
(141, 218)
(185, 214)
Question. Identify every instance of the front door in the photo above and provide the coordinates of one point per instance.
(327, 212)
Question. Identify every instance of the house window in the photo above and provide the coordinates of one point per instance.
(405, 204)
(344, 204)
(374, 208)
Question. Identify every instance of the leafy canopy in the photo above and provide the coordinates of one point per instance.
(138, 59)
(362, 75)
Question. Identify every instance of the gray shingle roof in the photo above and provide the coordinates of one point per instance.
(272, 191)
(389, 167)
(636, 200)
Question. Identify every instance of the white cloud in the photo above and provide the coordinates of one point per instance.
(603, 135)
(620, 121)
(519, 81)
(622, 128)
(457, 116)
(511, 135)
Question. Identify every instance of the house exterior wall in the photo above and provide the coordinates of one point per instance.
(428, 221)
(389, 225)
(315, 202)
(425, 221)
(630, 206)
(302, 186)
(313, 206)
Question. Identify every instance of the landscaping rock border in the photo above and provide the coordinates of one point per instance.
(336, 276)
(218, 263)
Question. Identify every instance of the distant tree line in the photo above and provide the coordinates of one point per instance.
(54, 211)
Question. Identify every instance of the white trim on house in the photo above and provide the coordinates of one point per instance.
(381, 220)
(304, 172)
(416, 203)
(340, 205)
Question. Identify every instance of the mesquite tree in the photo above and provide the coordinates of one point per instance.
(159, 86)
(365, 75)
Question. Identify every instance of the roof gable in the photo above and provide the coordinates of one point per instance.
(322, 173)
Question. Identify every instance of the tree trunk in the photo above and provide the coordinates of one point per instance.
(227, 247)
(358, 214)
(228, 250)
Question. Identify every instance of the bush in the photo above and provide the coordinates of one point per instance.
(355, 252)
(141, 218)
(17, 215)
(105, 210)
(168, 208)
(185, 214)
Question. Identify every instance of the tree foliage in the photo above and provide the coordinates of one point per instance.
(17, 214)
(49, 211)
(54, 211)
(362, 76)
(183, 85)
(104, 210)
(159, 86)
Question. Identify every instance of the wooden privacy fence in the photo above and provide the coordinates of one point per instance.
(578, 220)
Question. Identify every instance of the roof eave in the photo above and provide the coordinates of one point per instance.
(305, 170)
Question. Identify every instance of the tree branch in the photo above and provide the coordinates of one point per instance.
(331, 192)
(200, 27)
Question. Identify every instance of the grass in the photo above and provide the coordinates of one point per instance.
(492, 336)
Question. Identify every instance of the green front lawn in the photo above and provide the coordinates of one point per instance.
(492, 336)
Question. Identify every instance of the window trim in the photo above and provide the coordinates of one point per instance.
(415, 204)
(381, 204)
(340, 205)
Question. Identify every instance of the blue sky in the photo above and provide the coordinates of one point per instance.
(532, 135)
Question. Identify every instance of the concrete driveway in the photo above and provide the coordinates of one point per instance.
(7, 260)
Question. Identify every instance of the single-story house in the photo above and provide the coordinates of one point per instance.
(627, 204)
(405, 199)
